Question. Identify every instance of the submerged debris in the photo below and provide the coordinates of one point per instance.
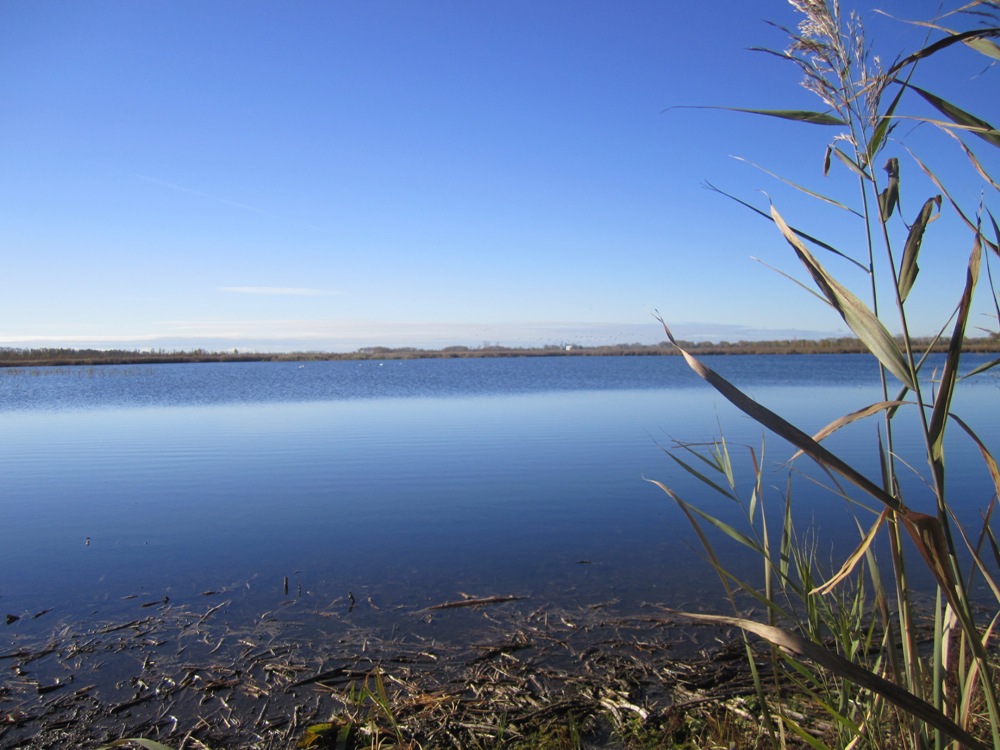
(471, 601)
(447, 676)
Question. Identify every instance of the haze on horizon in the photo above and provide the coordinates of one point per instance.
(327, 176)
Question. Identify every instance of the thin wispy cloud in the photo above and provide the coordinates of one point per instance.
(207, 196)
(293, 291)
(199, 194)
(71, 340)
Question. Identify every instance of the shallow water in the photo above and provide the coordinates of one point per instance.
(409, 482)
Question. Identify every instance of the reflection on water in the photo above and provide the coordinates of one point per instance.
(410, 482)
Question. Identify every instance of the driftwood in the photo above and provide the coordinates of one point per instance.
(474, 602)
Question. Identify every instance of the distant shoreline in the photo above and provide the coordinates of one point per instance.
(41, 357)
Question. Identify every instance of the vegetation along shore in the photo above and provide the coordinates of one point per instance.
(56, 357)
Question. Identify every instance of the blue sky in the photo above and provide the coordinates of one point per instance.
(332, 175)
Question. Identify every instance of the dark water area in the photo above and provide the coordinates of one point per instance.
(408, 482)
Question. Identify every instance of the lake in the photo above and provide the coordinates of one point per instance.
(224, 549)
(410, 482)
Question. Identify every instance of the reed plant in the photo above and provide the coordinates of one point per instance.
(849, 664)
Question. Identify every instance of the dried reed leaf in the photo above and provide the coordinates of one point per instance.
(849, 671)
(782, 427)
(798, 232)
(474, 602)
(851, 164)
(929, 538)
(854, 558)
(889, 198)
(884, 126)
(954, 204)
(798, 115)
(980, 44)
(979, 563)
(963, 38)
(854, 416)
(976, 164)
(991, 463)
(994, 246)
(946, 388)
(800, 188)
(792, 279)
(984, 46)
(865, 324)
(908, 268)
(968, 693)
(994, 546)
(974, 124)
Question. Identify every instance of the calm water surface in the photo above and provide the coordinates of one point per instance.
(409, 482)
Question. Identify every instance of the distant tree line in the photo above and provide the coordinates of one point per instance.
(52, 357)
(44, 357)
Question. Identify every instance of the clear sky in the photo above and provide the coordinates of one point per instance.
(330, 175)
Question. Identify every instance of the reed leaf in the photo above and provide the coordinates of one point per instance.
(720, 452)
(798, 232)
(797, 115)
(908, 268)
(800, 188)
(980, 565)
(781, 427)
(994, 245)
(854, 416)
(969, 693)
(724, 575)
(994, 546)
(787, 536)
(974, 124)
(981, 368)
(942, 44)
(851, 164)
(851, 727)
(730, 531)
(803, 735)
(991, 464)
(884, 126)
(701, 477)
(984, 46)
(854, 558)
(792, 279)
(928, 537)
(925, 531)
(949, 376)
(847, 670)
(889, 198)
(865, 324)
(980, 44)
(973, 159)
(954, 204)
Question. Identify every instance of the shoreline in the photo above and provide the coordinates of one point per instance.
(17, 358)
(449, 675)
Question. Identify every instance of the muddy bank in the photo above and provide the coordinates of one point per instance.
(204, 673)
